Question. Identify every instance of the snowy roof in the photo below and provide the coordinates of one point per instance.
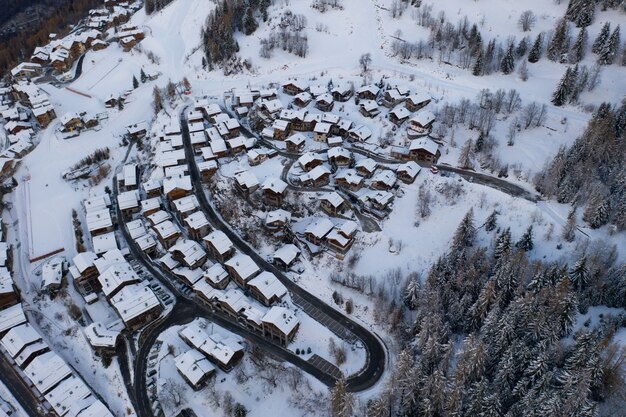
(207, 166)
(318, 89)
(425, 143)
(335, 236)
(97, 409)
(370, 88)
(423, 118)
(323, 128)
(287, 253)
(380, 197)
(52, 272)
(216, 274)
(150, 204)
(98, 335)
(219, 241)
(133, 301)
(116, 276)
(272, 105)
(98, 219)
(11, 317)
(410, 168)
(145, 242)
(236, 142)
(309, 157)
(367, 164)
(279, 124)
(333, 198)
(168, 261)
(339, 152)
(177, 170)
(303, 96)
(186, 204)
(112, 257)
(325, 98)
(182, 183)
(331, 118)
(298, 84)
(362, 132)
(159, 217)
(268, 285)
(97, 203)
(68, 117)
(84, 260)
(19, 337)
(316, 173)
(104, 243)
(212, 109)
(30, 351)
(190, 250)
(70, 396)
(246, 179)
(284, 319)
(166, 229)
(207, 153)
(319, 227)
(189, 275)
(128, 200)
(418, 97)
(243, 265)
(400, 112)
(350, 176)
(275, 184)
(218, 145)
(194, 366)
(137, 128)
(47, 370)
(196, 220)
(130, 175)
(348, 228)
(387, 177)
(296, 139)
(278, 215)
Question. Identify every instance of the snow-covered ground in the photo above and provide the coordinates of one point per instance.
(43, 201)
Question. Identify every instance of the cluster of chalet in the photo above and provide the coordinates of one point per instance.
(22, 107)
(105, 270)
(8, 294)
(63, 391)
(288, 124)
(72, 123)
(207, 350)
(321, 232)
(61, 53)
(164, 218)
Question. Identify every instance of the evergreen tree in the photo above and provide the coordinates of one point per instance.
(508, 62)
(522, 47)
(467, 152)
(560, 95)
(142, 76)
(411, 295)
(465, 232)
(581, 12)
(535, 52)
(157, 100)
(341, 401)
(503, 244)
(560, 41)
(580, 273)
(492, 221)
(120, 104)
(608, 52)
(489, 56)
(263, 5)
(526, 241)
(135, 82)
(577, 53)
(249, 22)
(602, 37)
(477, 69)
(597, 212)
(569, 230)
(170, 91)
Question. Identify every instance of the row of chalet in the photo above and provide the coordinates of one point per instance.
(322, 232)
(62, 390)
(111, 275)
(8, 293)
(326, 127)
(34, 101)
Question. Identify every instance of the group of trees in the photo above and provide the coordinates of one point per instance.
(485, 336)
(229, 17)
(19, 48)
(592, 172)
(152, 6)
(288, 37)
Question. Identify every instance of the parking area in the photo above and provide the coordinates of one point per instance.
(325, 366)
(324, 319)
